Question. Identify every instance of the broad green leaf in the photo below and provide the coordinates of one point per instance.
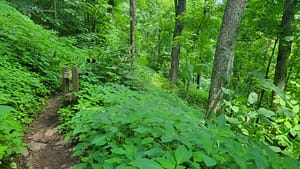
(295, 130)
(147, 140)
(206, 141)
(198, 156)
(235, 109)
(232, 120)
(143, 130)
(227, 91)
(118, 150)
(275, 149)
(180, 167)
(4, 111)
(166, 163)
(296, 109)
(96, 166)
(252, 98)
(80, 166)
(288, 124)
(221, 120)
(108, 165)
(155, 152)
(260, 161)
(289, 38)
(182, 154)
(114, 160)
(145, 164)
(125, 167)
(265, 112)
(130, 151)
(99, 140)
(245, 131)
(209, 161)
(167, 138)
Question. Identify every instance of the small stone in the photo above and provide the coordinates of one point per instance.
(25, 153)
(50, 132)
(36, 146)
(60, 143)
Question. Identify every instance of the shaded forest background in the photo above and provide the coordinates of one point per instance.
(147, 70)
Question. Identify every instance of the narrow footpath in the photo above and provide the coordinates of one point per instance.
(46, 147)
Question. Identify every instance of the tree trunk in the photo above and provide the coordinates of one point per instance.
(180, 7)
(285, 43)
(198, 80)
(159, 59)
(224, 56)
(132, 27)
(260, 98)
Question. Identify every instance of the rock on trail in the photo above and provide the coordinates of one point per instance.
(46, 147)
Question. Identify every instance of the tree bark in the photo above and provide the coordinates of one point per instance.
(180, 8)
(224, 56)
(132, 27)
(285, 44)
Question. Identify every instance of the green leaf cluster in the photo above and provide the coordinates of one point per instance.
(30, 59)
(277, 126)
(36, 49)
(11, 133)
(120, 128)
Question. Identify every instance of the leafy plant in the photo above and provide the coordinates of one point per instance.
(120, 128)
(30, 59)
(33, 47)
(11, 133)
(277, 127)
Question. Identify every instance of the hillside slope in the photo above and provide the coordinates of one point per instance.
(30, 60)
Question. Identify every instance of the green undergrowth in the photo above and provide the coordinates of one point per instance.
(115, 127)
(36, 49)
(154, 81)
(276, 126)
(10, 136)
(30, 61)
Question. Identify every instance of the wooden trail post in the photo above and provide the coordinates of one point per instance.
(70, 84)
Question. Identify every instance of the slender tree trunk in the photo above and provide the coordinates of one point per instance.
(159, 59)
(180, 8)
(267, 72)
(195, 39)
(224, 56)
(201, 23)
(132, 27)
(285, 44)
(187, 92)
(198, 80)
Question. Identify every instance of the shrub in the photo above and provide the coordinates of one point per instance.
(11, 133)
(120, 128)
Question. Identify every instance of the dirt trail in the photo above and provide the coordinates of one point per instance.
(46, 147)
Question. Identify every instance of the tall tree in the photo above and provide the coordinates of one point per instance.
(224, 56)
(285, 43)
(132, 24)
(180, 8)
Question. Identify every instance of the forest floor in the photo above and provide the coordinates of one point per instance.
(46, 147)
